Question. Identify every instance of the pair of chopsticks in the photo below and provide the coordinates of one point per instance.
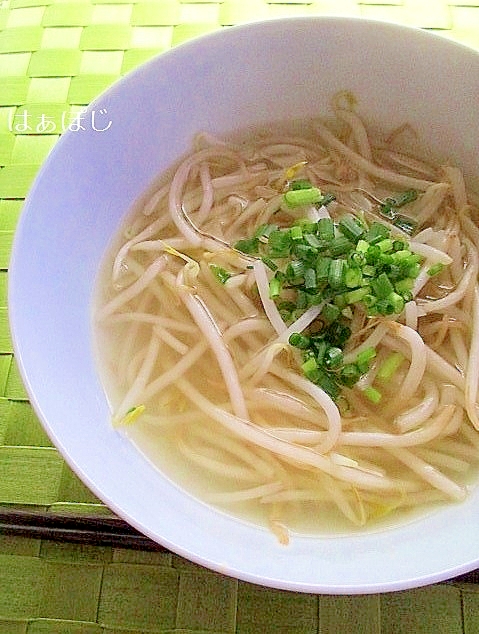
(100, 531)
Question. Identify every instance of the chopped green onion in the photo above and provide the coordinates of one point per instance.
(326, 229)
(362, 246)
(389, 366)
(435, 269)
(295, 270)
(387, 211)
(307, 225)
(302, 299)
(395, 272)
(330, 313)
(339, 246)
(413, 270)
(304, 251)
(320, 346)
(279, 243)
(383, 307)
(372, 394)
(385, 259)
(322, 269)
(310, 368)
(396, 302)
(296, 232)
(299, 340)
(403, 198)
(353, 277)
(356, 259)
(333, 357)
(326, 199)
(270, 264)
(401, 256)
(310, 280)
(389, 206)
(369, 300)
(372, 254)
(300, 183)
(341, 301)
(368, 270)
(327, 383)
(336, 273)
(221, 274)
(413, 258)
(385, 245)
(274, 287)
(313, 241)
(357, 295)
(299, 197)
(381, 286)
(349, 374)
(364, 358)
(248, 246)
(405, 285)
(377, 232)
(351, 228)
(264, 231)
(406, 224)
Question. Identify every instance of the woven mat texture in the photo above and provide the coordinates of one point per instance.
(55, 57)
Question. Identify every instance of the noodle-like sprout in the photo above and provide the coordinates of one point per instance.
(205, 360)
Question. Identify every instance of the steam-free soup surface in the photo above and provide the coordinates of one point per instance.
(288, 327)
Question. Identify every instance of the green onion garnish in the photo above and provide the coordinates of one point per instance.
(299, 197)
(326, 199)
(406, 224)
(330, 313)
(270, 264)
(372, 394)
(248, 246)
(274, 288)
(349, 374)
(381, 286)
(299, 340)
(364, 358)
(341, 266)
(389, 366)
(435, 269)
(326, 229)
(351, 228)
(339, 246)
(333, 357)
(337, 269)
(296, 232)
(310, 279)
(221, 274)
(300, 183)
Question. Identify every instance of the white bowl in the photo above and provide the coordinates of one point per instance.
(223, 82)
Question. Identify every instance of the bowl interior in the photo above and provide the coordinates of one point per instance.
(221, 83)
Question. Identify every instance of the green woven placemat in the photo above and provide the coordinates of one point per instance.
(55, 57)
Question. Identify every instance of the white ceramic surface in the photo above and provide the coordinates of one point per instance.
(222, 82)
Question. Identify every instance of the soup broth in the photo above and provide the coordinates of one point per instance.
(288, 327)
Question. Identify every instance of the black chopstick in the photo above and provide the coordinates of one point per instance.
(94, 530)
(98, 531)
